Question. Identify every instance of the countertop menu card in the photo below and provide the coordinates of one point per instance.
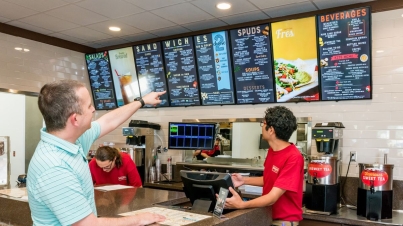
(251, 55)
(181, 72)
(214, 68)
(101, 80)
(150, 70)
(345, 60)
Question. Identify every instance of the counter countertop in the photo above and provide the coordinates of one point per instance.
(225, 166)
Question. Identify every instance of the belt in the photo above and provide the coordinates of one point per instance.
(284, 223)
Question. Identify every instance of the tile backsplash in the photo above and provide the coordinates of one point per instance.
(373, 127)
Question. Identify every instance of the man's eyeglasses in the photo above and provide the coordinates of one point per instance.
(262, 123)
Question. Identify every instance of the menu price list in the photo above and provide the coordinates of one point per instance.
(101, 80)
(214, 69)
(150, 71)
(252, 63)
(181, 72)
(344, 43)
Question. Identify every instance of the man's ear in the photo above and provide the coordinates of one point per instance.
(73, 119)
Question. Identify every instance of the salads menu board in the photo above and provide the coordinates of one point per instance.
(181, 72)
(251, 57)
(151, 73)
(344, 47)
(124, 75)
(101, 80)
(295, 60)
(214, 68)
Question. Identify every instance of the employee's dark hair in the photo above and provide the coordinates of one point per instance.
(282, 120)
(57, 101)
(108, 153)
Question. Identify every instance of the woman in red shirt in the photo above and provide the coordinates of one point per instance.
(110, 166)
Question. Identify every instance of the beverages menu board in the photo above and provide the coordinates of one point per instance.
(124, 75)
(253, 70)
(101, 80)
(181, 72)
(345, 59)
(150, 71)
(295, 60)
(214, 68)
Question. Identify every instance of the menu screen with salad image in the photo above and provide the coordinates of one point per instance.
(295, 60)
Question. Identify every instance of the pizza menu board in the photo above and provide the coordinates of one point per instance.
(251, 58)
(150, 71)
(181, 72)
(214, 68)
(295, 60)
(101, 80)
(345, 60)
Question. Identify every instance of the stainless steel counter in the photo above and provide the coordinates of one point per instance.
(222, 166)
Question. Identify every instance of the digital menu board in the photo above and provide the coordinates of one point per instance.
(181, 72)
(101, 80)
(214, 68)
(295, 60)
(124, 75)
(253, 70)
(150, 71)
(345, 54)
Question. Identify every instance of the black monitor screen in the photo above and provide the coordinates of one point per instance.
(191, 135)
(263, 144)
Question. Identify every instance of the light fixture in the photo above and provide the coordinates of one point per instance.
(114, 28)
(26, 50)
(223, 5)
(379, 51)
(18, 48)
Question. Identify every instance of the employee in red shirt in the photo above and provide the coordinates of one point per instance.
(202, 154)
(110, 166)
(283, 173)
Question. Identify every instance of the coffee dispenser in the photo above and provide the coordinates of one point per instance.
(375, 191)
(322, 192)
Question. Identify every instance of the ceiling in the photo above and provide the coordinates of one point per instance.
(86, 22)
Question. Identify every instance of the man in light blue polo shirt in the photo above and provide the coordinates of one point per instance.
(60, 189)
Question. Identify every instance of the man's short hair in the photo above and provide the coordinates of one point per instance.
(282, 120)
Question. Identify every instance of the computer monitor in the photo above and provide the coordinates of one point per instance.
(263, 144)
(182, 135)
(204, 185)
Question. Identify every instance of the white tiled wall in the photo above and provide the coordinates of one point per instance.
(373, 127)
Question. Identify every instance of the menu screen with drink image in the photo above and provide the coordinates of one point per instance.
(295, 60)
(214, 68)
(124, 75)
(345, 54)
(253, 70)
(101, 80)
(150, 70)
(180, 69)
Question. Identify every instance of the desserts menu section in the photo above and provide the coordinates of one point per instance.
(345, 60)
(150, 71)
(214, 69)
(101, 80)
(181, 72)
(251, 57)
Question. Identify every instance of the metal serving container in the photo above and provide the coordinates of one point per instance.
(323, 170)
(376, 176)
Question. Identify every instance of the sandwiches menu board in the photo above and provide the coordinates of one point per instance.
(214, 68)
(151, 73)
(124, 75)
(345, 54)
(101, 80)
(295, 60)
(181, 72)
(251, 57)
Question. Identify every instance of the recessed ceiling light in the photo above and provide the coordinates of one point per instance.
(26, 50)
(223, 5)
(114, 28)
(18, 48)
(379, 51)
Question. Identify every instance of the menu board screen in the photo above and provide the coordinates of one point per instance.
(101, 80)
(295, 60)
(125, 77)
(214, 68)
(345, 56)
(151, 73)
(253, 70)
(181, 72)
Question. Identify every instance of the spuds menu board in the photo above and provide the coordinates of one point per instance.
(181, 72)
(101, 80)
(345, 60)
(150, 71)
(214, 68)
(251, 57)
